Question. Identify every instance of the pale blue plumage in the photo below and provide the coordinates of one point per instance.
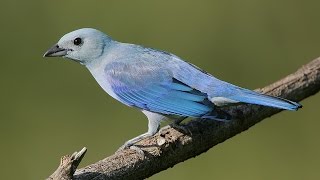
(159, 83)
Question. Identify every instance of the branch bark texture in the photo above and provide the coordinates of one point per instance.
(172, 146)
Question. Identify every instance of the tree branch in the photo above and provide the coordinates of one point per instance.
(171, 146)
(68, 166)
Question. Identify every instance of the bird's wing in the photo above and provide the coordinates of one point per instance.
(150, 86)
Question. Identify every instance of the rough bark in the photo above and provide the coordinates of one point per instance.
(172, 146)
(68, 166)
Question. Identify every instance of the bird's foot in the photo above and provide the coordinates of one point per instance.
(123, 147)
(181, 128)
(132, 147)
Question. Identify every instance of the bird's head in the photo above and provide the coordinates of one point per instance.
(82, 45)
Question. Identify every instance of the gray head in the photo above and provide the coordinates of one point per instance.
(82, 45)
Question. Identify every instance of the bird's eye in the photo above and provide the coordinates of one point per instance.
(77, 41)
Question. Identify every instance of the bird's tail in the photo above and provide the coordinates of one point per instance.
(252, 97)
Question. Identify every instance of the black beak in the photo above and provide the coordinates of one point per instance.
(55, 51)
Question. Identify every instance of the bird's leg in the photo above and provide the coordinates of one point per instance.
(154, 120)
(177, 121)
(176, 125)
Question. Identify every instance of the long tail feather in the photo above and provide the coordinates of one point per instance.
(266, 100)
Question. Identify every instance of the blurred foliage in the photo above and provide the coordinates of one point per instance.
(52, 107)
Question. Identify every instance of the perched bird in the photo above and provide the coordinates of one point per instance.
(158, 83)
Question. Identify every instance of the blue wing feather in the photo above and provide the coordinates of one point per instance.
(156, 91)
(204, 82)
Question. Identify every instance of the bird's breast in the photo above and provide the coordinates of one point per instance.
(102, 80)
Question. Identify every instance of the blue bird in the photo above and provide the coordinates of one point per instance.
(160, 84)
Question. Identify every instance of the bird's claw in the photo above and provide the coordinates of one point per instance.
(132, 147)
(121, 148)
(181, 128)
(137, 149)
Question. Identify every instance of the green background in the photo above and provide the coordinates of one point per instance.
(52, 107)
